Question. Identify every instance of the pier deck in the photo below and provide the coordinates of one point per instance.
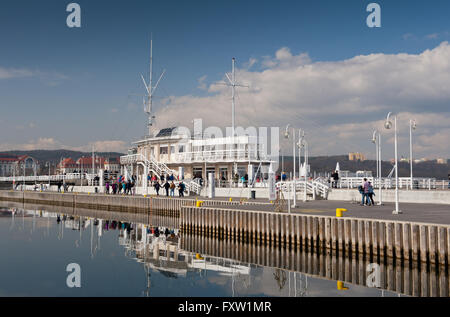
(427, 213)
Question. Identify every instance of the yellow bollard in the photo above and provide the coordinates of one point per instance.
(339, 211)
(199, 203)
(341, 286)
(199, 257)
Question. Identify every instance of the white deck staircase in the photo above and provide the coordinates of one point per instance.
(158, 168)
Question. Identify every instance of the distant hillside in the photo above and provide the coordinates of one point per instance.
(54, 156)
(324, 164)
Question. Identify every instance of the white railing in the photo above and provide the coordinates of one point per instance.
(193, 186)
(313, 188)
(389, 183)
(217, 156)
(46, 178)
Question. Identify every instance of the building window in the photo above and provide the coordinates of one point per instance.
(164, 150)
(180, 148)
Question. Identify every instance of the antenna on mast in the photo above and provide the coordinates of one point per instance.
(233, 85)
(150, 91)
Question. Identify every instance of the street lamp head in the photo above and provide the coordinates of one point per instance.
(413, 124)
(388, 123)
(374, 136)
(286, 132)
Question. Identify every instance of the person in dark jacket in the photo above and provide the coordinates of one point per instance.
(157, 187)
(166, 187)
(181, 188)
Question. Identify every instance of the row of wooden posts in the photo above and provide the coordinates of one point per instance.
(410, 278)
(380, 238)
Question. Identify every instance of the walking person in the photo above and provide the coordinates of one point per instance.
(166, 187)
(157, 187)
(181, 188)
(172, 189)
(365, 198)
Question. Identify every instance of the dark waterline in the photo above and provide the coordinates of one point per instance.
(36, 248)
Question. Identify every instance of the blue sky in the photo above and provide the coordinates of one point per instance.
(68, 87)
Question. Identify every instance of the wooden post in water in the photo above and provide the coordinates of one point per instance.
(415, 242)
(406, 241)
(398, 240)
(432, 240)
(423, 243)
(361, 243)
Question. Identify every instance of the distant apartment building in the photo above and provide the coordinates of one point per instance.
(441, 161)
(85, 164)
(67, 166)
(353, 156)
(11, 164)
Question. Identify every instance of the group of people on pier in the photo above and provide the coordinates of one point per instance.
(121, 185)
(169, 187)
(168, 183)
(367, 193)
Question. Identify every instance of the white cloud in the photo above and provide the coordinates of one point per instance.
(7, 73)
(338, 103)
(432, 36)
(201, 83)
(48, 78)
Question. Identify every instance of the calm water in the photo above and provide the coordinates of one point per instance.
(123, 257)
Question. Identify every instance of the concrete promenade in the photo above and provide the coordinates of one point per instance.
(427, 213)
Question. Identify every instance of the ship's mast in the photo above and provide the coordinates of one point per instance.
(233, 85)
(150, 91)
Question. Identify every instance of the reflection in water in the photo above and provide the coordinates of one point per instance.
(238, 269)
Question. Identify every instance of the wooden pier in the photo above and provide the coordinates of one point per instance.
(398, 240)
(168, 206)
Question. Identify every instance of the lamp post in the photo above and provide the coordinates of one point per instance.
(23, 164)
(305, 144)
(48, 164)
(388, 125)
(412, 126)
(376, 139)
(300, 137)
(286, 136)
